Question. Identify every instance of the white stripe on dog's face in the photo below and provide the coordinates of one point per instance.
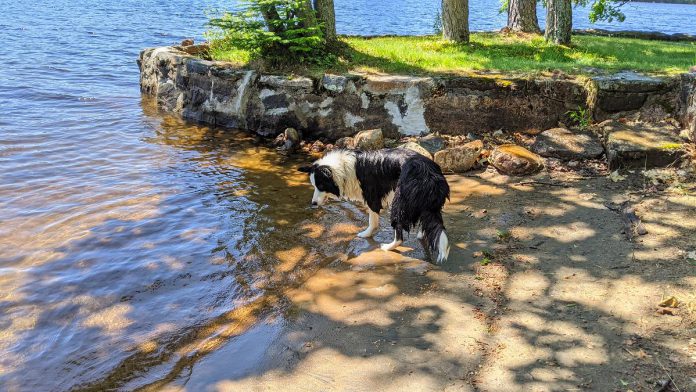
(319, 197)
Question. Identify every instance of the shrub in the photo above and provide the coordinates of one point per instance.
(276, 31)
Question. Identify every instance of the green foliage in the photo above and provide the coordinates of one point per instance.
(504, 6)
(278, 31)
(504, 235)
(581, 117)
(604, 10)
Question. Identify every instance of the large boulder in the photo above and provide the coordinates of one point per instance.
(511, 159)
(413, 146)
(565, 144)
(371, 139)
(459, 159)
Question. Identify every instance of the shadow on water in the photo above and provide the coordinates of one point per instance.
(284, 296)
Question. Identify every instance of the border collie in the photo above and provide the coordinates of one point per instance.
(411, 183)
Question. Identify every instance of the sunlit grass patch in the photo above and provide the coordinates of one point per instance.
(495, 52)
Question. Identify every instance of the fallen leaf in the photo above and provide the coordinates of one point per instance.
(670, 302)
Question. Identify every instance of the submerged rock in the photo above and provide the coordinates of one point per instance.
(565, 144)
(369, 140)
(514, 160)
(417, 148)
(459, 159)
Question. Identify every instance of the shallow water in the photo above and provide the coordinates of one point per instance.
(132, 243)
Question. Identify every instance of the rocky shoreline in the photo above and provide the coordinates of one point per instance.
(513, 123)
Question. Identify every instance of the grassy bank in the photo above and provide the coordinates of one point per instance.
(489, 51)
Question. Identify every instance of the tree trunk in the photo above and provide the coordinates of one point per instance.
(455, 20)
(327, 16)
(522, 16)
(559, 21)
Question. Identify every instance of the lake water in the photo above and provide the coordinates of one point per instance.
(129, 239)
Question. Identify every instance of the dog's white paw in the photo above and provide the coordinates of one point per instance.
(390, 246)
(367, 233)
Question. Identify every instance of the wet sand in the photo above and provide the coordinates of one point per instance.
(567, 302)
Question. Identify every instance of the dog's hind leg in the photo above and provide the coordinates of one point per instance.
(372, 227)
(398, 239)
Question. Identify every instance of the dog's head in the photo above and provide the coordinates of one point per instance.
(321, 176)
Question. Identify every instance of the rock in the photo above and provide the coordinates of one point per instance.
(564, 144)
(187, 42)
(369, 140)
(417, 148)
(318, 146)
(334, 83)
(345, 142)
(459, 159)
(432, 143)
(288, 140)
(641, 145)
(692, 69)
(514, 160)
(292, 135)
(627, 91)
(498, 133)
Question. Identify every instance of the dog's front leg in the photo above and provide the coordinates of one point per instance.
(372, 226)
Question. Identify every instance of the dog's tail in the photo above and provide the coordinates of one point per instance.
(434, 231)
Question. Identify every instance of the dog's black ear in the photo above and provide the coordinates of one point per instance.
(306, 169)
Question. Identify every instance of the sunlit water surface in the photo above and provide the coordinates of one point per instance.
(130, 242)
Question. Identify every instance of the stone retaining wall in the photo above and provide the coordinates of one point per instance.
(340, 105)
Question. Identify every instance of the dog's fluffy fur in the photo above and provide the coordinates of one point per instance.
(411, 183)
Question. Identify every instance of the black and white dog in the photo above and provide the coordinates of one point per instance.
(411, 183)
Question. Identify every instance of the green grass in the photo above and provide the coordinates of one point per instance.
(496, 52)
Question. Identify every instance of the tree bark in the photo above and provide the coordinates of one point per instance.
(559, 21)
(327, 16)
(522, 16)
(455, 20)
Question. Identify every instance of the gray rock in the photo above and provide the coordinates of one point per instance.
(641, 145)
(371, 139)
(417, 148)
(514, 160)
(334, 83)
(459, 159)
(630, 82)
(292, 135)
(345, 142)
(565, 144)
(286, 82)
(432, 143)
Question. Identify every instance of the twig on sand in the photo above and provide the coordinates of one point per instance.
(665, 386)
(533, 182)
